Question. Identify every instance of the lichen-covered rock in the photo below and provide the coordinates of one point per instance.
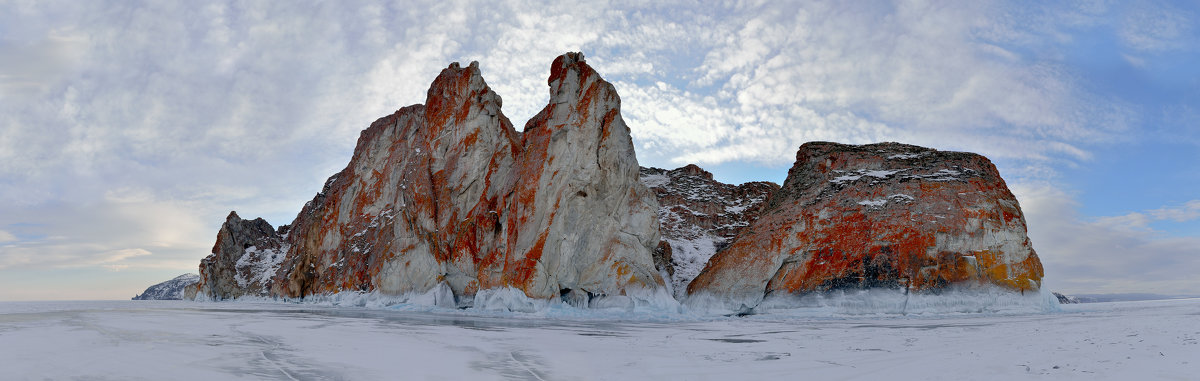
(448, 193)
(699, 216)
(878, 215)
(247, 254)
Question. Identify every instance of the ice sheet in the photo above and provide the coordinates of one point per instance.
(246, 340)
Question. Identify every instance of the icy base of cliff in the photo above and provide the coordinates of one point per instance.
(659, 304)
(899, 302)
(244, 340)
(879, 301)
(505, 302)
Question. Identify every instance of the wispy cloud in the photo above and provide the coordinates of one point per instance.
(1108, 255)
(1182, 213)
(127, 125)
(1155, 26)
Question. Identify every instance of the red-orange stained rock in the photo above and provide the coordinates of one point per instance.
(880, 215)
(410, 190)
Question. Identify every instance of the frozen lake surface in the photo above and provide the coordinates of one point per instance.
(152, 340)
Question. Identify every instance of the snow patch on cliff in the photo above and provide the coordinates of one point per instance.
(852, 176)
(689, 257)
(258, 266)
(877, 203)
(655, 180)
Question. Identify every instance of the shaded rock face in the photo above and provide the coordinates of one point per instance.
(699, 216)
(449, 193)
(174, 289)
(878, 215)
(243, 260)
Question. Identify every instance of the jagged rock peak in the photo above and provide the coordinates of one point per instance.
(694, 170)
(448, 195)
(241, 260)
(563, 65)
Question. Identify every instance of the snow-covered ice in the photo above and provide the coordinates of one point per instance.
(249, 340)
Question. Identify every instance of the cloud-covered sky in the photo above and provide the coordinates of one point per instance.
(129, 129)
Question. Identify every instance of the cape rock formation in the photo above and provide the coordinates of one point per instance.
(879, 215)
(447, 194)
(447, 199)
(174, 289)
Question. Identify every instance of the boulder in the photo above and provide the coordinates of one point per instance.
(883, 215)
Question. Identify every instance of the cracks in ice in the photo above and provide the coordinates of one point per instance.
(513, 355)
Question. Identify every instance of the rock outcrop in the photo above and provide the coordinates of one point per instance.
(699, 216)
(447, 199)
(881, 215)
(244, 259)
(447, 194)
(174, 289)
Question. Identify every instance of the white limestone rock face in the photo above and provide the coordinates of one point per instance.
(448, 194)
(584, 221)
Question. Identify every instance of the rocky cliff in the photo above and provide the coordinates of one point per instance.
(699, 216)
(881, 215)
(446, 198)
(174, 289)
(447, 194)
(243, 261)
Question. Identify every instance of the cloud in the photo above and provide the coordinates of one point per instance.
(1141, 221)
(7, 237)
(1156, 27)
(949, 76)
(1107, 255)
(1182, 213)
(141, 233)
(28, 68)
(127, 126)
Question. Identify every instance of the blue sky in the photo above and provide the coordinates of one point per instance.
(129, 129)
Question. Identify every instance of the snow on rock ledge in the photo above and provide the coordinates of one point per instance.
(883, 215)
